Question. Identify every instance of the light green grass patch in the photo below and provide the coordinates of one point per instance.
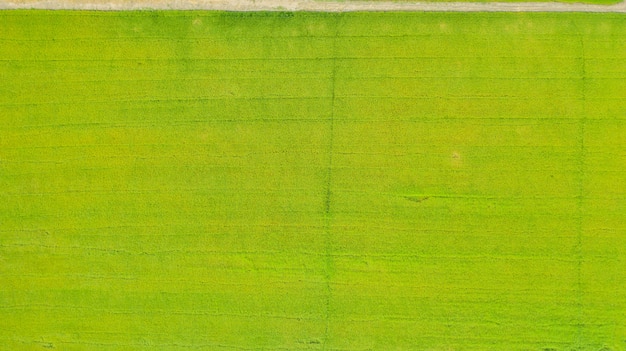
(310, 181)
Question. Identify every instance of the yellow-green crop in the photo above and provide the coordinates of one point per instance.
(312, 181)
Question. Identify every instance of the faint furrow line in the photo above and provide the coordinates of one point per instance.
(327, 204)
(581, 190)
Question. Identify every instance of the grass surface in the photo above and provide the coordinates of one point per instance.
(244, 181)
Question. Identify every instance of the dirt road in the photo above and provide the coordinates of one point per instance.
(309, 5)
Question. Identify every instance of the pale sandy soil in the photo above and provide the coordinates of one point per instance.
(307, 5)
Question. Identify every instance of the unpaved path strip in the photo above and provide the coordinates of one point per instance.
(309, 5)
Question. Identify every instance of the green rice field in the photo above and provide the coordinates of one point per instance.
(312, 181)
